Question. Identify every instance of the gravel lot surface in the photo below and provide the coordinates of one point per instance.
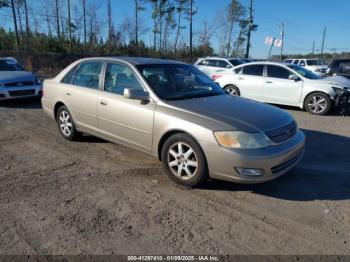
(95, 197)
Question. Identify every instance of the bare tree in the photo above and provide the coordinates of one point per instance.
(84, 16)
(27, 19)
(182, 8)
(58, 31)
(69, 26)
(235, 11)
(15, 23)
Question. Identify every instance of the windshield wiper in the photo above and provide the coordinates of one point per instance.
(192, 96)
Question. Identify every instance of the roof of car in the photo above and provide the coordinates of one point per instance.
(139, 60)
(219, 58)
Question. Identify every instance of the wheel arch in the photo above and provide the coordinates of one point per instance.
(313, 92)
(57, 106)
(169, 134)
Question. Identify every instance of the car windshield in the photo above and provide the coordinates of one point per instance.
(314, 62)
(178, 82)
(10, 65)
(304, 72)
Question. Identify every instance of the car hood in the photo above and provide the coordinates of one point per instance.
(240, 113)
(338, 81)
(16, 76)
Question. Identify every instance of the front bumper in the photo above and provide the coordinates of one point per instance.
(273, 161)
(20, 92)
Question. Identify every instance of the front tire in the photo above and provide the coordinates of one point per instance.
(318, 103)
(184, 160)
(66, 124)
(232, 90)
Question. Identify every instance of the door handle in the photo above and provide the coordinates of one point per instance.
(68, 93)
(240, 78)
(103, 102)
(268, 82)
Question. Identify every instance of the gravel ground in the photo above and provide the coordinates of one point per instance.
(95, 197)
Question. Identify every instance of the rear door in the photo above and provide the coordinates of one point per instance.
(81, 88)
(279, 89)
(250, 81)
(124, 120)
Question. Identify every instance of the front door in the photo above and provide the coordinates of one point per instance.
(124, 120)
(279, 88)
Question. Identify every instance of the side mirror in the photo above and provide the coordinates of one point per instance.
(302, 64)
(294, 78)
(229, 66)
(136, 94)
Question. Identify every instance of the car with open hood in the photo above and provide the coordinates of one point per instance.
(176, 113)
(16, 82)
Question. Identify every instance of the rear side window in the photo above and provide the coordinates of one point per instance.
(208, 62)
(88, 74)
(277, 72)
(67, 79)
(296, 62)
(212, 62)
(253, 70)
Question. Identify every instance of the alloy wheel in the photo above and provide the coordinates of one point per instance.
(65, 123)
(317, 104)
(182, 161)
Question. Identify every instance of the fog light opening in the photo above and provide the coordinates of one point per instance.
(253, 172)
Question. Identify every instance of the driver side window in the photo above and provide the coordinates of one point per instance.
(118, 77)
(278, 72)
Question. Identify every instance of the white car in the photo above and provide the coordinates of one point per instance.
(317, 66)
(285, 84)
(217, 65)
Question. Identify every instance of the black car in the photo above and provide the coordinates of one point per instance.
(339, 67)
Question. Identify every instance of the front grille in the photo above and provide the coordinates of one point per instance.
(287, 164)
(22, 92)
(282, 134)
(17, 84)
(323, 70)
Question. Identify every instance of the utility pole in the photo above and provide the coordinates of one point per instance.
(323, 38)
(282, 36)
(191, 14)
(250, 25)
(313, 48)
(57, 20)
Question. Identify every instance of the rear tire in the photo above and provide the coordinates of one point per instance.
(66, 124)
(232, 90)
(318, 103)
(184, 160)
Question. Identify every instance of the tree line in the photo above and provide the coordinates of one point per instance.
(76, 27)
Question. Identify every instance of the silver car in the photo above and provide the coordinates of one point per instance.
(176, 113)
(15, 82)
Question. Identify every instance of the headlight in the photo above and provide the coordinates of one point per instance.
(338, 91)
(238, 139)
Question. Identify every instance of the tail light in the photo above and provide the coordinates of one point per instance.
(215, 77)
